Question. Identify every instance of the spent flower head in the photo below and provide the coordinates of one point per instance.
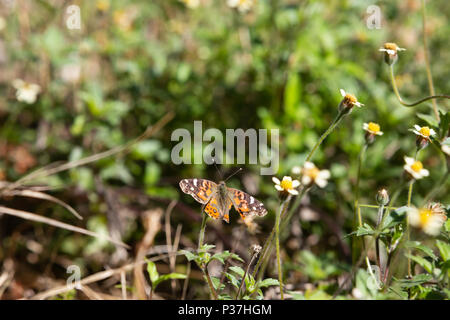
(287, 185)
(25, 91)
(348, 102)
(382, 197)
(429, 219)
(415, 168)
(390, 50)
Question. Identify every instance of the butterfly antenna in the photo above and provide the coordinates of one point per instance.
(237, 171)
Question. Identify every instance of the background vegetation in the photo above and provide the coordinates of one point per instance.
(279, 65)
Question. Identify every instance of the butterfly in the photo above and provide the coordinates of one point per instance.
(217, 199)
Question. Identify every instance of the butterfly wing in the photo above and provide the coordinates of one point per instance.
(215, 210)
(200, 189)
(246, 204)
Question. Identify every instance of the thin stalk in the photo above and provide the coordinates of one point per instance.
(204, 267)
(357, 219)
(210, 284)
(245, 274)
(408, 228)
(201, 236)
(377, 238)
(427, 62)
(277, 242)
(397, 93)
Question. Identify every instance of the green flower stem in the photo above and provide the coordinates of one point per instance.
(377, 238)
(376, 207)
(265, 252)
(408, 228)
(427, 62)
(201, 236)
(245, 274)
(357, 219)
(358, 178)
(394, 86)
(204, 267)
(330, 129)
(283, 207)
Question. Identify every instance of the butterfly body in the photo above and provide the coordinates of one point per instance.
(217, 199)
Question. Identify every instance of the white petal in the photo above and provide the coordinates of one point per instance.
(432, 132)
(324, 174)
(293, 192)
(278, 187)
(424, 172)
(365, 126)
(382, 49)
(309, 165)
(296, 170)
(417, 132)
(306, 180)
(409, 161)
(287, 178)
(342, 92)
(417, 127)
(276, 180)
(295, 183)
(321, 182)
(380, 133)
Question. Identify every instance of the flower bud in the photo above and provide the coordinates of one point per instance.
(382, 197)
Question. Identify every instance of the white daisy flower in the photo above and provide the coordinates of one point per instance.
(424, 132)
(26, 92)
(286, 185)
(446, 149)
(373, 128)
(415, 168)
(311, 174)
(429, 219)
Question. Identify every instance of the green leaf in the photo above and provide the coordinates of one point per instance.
(416, 280)
(394, 218)
(222, 256)
(268, 282)
(169, 276)
(189, 255)
(417, 245)
(444, 249)
(152, 271)
(216, 283)
(424, 263)
(430, 120)
(238, 270)
(444, 124)
(234, 282)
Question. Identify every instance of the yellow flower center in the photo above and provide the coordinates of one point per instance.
(424, 216)
(417, 166)
(425, 131)
(312, 173)
(390, 46)
(286, 184)
(350, 98)
(374, 127)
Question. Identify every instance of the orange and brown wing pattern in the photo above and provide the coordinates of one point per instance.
(200, 189)
(213, 209)
(246, 204)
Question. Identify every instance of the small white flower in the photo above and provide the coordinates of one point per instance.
(26, 92)
(373, 128)
(349, 99)
(429, 219)
(311, 174)
(296, 170)
(415, 168)
(424, 132)
(286, 185)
